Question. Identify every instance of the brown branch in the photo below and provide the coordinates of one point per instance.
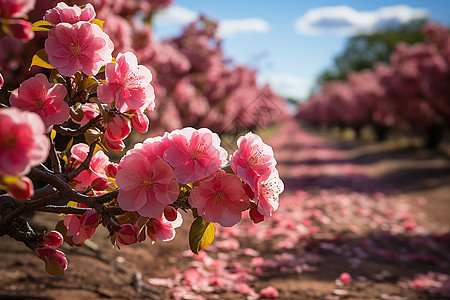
(56, 166)
(76, 132)
(42, 192)
(64, 209)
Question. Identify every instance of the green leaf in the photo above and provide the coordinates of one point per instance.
(87, 83)
(40, 59)
(42, 25)
(201, 235)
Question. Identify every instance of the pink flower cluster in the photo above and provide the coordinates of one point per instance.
(75, 44)
(149, 173)
(254, 163)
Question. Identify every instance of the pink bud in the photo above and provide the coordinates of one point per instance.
(1, 80)
(255, 215)
(114, 145)
(345, 278)
(140, 122)
(20, 29)
(89, 220)
(53, 239)
(170, 213)
(111, 170)
(45, 251)
(99, 184)
(127, 235)
(21, 190)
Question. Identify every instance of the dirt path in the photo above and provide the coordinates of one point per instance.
(341, 212)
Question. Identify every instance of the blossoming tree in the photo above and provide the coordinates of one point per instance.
(92, 96)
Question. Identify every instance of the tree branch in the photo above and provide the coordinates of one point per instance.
(56, 166)
(76, 132)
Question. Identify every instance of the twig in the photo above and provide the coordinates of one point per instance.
(56, 166)
(76, 132)
(64, 209)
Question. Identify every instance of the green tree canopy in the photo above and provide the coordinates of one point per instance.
(364, 50)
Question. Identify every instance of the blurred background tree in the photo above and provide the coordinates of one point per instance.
(364, 50)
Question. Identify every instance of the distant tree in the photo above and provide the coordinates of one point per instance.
(364, 50)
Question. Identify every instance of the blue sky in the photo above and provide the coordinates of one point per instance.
(291, 42)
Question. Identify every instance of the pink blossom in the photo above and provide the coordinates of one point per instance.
(75, 230)
(22, 189)
(268, 190)
(111, 169)
(99, 184)
(152, 147)
(127, 235)
(53, 238)
(82, 46)
(90, 111)
(269, 292)
(23, 143)
(46, 99)
(63, 13)
(89, 220)
(146, 185)
(97, 166)
(128, 84)
(194, 154)
(162, 229)
(1, 81)
(220, 199)
(252, 159)
(15, 8)
(118, 128)
(18, 28)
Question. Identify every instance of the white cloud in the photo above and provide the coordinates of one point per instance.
(344, 20)
(288, 85)
(232, 28)
(175, 15)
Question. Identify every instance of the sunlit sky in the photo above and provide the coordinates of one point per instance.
(291, 42)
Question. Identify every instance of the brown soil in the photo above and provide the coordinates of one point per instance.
(415, 172)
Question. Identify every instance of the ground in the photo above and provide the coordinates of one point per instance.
(378, 211)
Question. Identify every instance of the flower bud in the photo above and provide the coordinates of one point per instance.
(170, 213)
(255, 215)
(111, 170)
(20, 29)
(99, 184)
(53, 239)
(45, 251)
(127, 235)
(21, 189)
(140, 122)
(1, 81)
(89, 220)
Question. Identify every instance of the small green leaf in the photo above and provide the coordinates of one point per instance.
(40, 59)
(201, 235)
(98, 22)
(42, 25)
